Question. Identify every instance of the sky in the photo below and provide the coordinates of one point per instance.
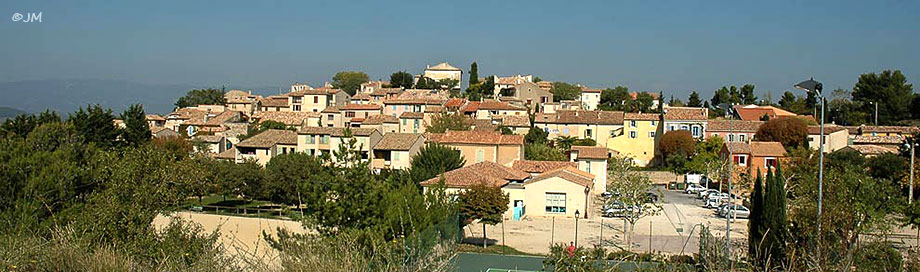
(669, 46)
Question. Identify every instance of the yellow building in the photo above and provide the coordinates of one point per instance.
(638, 139)
(596, 125)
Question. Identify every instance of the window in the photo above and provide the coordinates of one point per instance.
(311, 139)
(697, 131)
(740, 160)
(565, 131)
(671, 128)
(349, 114)
(741, 137)
(654, 123)
(632, 123)
(297, 99)
(480, 155)
(330, 117)
(395, 156)
(769, 162)
(588, 167)
(613, 133)
(684, 127)
(651, 134)
(316, 100)
(296, 107)
(588, 133)
(324, 139)
(731, 137)
(555, 203)
(632, 134)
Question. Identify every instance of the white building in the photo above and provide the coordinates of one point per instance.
(444, 71)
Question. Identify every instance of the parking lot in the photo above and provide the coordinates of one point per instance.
(674, 230)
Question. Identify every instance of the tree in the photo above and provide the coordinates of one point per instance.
(243, 179)
(349, 81)
(774, 215)
(630, 189)
(843, 111)
(543, 152)
(296, 178)
(474, 74)
(22, 124)
(720, 96)
(536, 136)
(564, 91)
(254, 129)
(756, 222)
(694, 100)
(444, 121)
(483, 203)
(137, 130)
(565, 142)
(401, 79)
(890, 90)
(887, 166)
(644, 102)
(791, 132)
(96, 125)
(426, 83)
(747, 94)
(433, 160)
(614, 99)
(677, 142)
(447, 84)
(201, 97)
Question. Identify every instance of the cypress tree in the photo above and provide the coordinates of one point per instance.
(774, 242)
(755, 223)
(474, 74)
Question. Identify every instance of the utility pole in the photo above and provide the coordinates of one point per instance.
(910, 196)
(876, 113)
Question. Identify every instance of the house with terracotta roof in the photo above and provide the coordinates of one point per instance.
(892, 142)
(870, 150)
(331, 116)
(315, 100)
(835, 137)
(382, 122)
(371, 86)
(266, 145)
(180, 116)
(479, 146)
(529, 94)
(593, 160)
(686, 118)
(245, 102)
(557, 192)
(444, 71)
(504, 83)
(274, 103)
(535, 168)
(289, 118)
(638, 138)
(318, 141)
(902, 131)
(590, 97)
(518, 124)
(599, 126)
(210, 144)
(413, 100)
(655, 99)
(732, 130)
(753, 156)
(757, 113)
(487, 109)
(412, 122)
(210, 123)
(395, 150)
(358, 112)
(162, 132)
(155, 120)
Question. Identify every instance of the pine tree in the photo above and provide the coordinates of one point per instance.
(694, 100)
(433, 160)
(755, 222)
(136, 131)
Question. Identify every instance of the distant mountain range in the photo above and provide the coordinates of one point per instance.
(6, 112)
(68, 95)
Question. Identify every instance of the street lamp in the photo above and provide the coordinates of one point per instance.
(731, 206)
(876, 111)
(910, 191)
(576, 228)
(814, 87)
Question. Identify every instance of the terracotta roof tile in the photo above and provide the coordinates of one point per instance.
(591, 152)
(444, 66)
(870, 149)
(581, 117)
(488, 173)
(155, 117)
(228, 154)
(860, 139)
(754, 112)
(412, 115)
(270, 138)
(361, 107)
(738, 147)
(455, 102)
(739, 125)
(331, 109)
(380, 119)
(773, 149)
(291, 118)
(569, 173)
(335, 131)
(686, 113)
(515, 120)
(541, 166)
(828, 129)
(397, 141)
(476, 137)
(274, 101)
(889, 129)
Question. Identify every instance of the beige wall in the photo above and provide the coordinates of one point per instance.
(832, 141)
(640, 149)
(599, 169)
(590, 100)
(336, 121)
(408, 125)
(487, 114)
(535, 197)
(507, 154)
(599, 133)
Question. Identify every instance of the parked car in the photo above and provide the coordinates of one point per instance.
(606, 195)
(715, 200)
(694, 189)
(651, 197)
(736, 211)
(704, 193)
(618, 209)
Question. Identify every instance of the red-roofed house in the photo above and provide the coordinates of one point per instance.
(756, 113)
(479, 146)
(753, 156)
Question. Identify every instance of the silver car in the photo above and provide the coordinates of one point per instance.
(736, 211)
